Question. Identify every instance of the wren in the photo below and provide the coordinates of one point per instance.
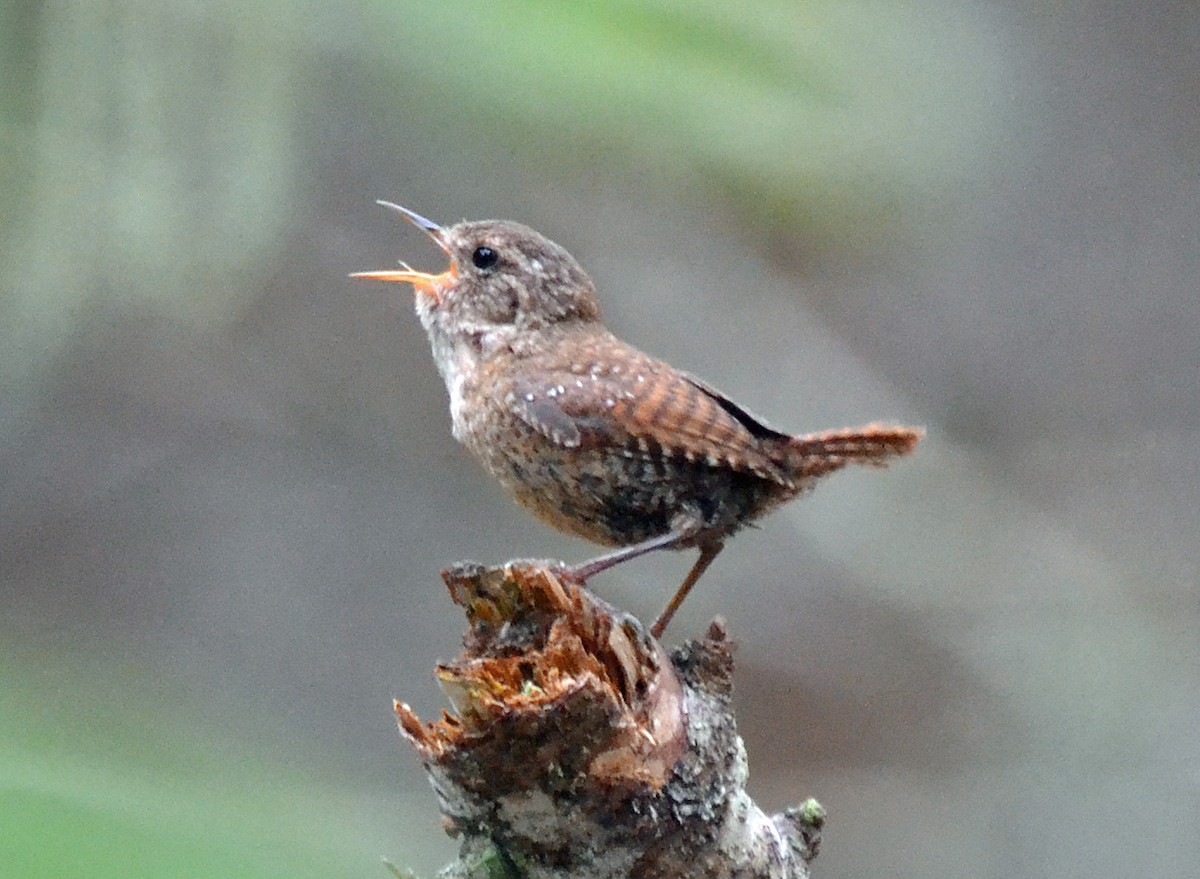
(588, 433)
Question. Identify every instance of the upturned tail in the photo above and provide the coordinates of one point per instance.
(816, 454)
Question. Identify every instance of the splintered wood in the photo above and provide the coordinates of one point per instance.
(540, 653)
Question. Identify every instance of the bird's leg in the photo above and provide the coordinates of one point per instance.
(686, 526)
(708, 552)
(583, 571)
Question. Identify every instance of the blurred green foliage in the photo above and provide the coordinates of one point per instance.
(823, 113)
(152, 159)
(158, 153)
(109, 771)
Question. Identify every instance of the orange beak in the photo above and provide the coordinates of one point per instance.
(422, 282)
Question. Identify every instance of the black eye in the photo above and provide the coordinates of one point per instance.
(484, 257)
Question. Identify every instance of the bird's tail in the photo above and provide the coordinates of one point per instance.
(816, 454)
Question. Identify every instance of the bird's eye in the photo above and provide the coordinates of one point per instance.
(484, 257)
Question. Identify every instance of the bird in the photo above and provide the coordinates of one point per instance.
(587, 432)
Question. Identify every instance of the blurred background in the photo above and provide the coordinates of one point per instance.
(227, 481)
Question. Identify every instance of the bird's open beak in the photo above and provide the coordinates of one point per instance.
(423, 282)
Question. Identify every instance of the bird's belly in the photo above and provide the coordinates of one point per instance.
(615, 497)
(588, 494)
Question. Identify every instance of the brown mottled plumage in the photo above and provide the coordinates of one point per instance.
(593, 436)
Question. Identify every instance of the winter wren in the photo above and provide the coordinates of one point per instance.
(590, 434)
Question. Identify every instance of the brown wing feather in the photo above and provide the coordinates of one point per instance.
(642, 404)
